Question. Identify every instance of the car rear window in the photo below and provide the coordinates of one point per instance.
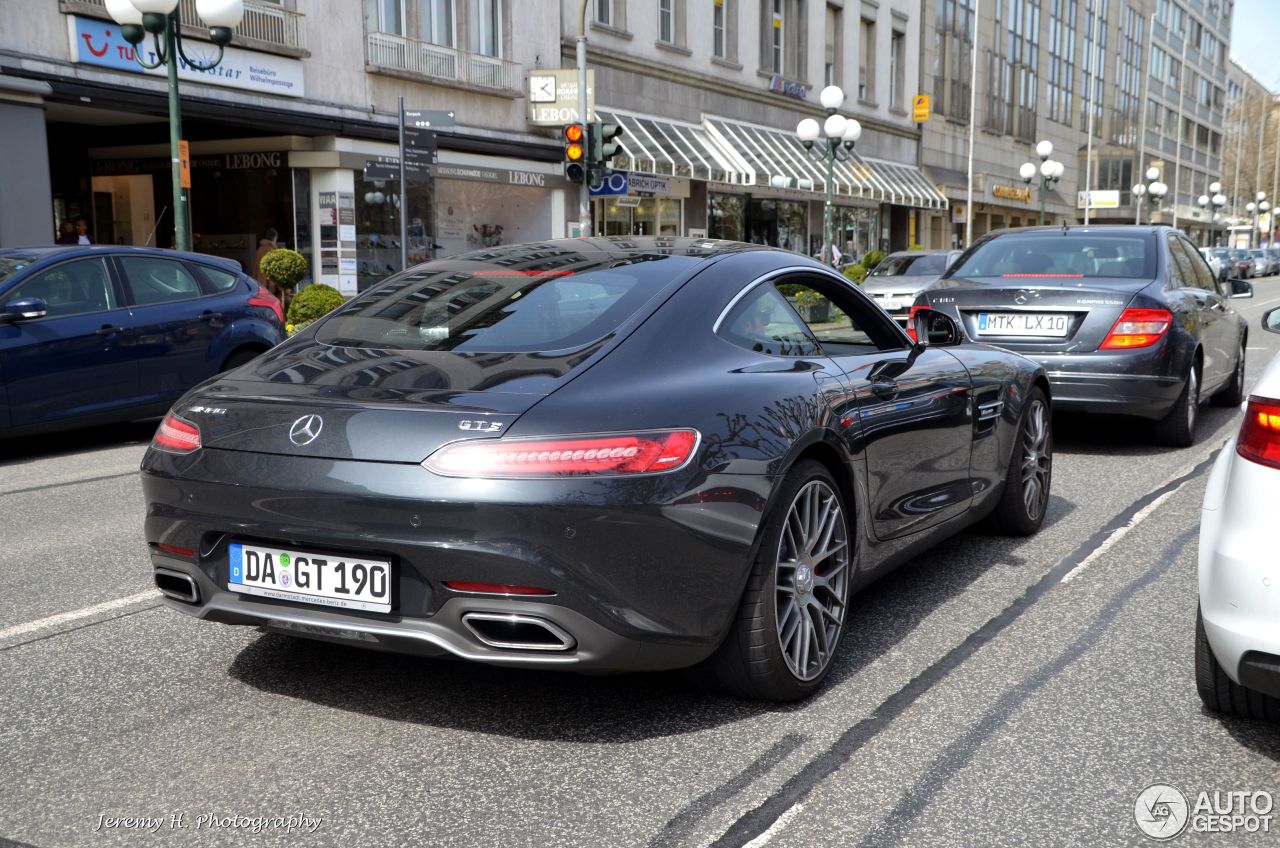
(1064, 255)
(920, 265)
(481, 307)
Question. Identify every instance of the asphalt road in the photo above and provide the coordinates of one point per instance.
(993, 692)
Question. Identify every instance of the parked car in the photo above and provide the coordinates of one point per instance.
(1217, 262)
(1261, 262)
(501, 481)
(1243, 264)
(1273, 254)
(900, 276)
(1124, 319)
(96, 334)
(1237, 638)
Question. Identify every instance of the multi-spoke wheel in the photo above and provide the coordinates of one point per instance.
(1021, 508)
(788, 628)
(1232, 394)
(1178, 428)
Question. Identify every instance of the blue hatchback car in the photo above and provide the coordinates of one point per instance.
(98, 333)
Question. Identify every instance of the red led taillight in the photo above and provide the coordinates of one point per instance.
(265, 298)
(1138, 328)
(911, 322)
(495, 588)
(1259, 439)
(176, 435)
(604, 455)
(173, 549)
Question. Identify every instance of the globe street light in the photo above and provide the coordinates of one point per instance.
(1050, 172)
(1152, 196)
(841, 134)
(161, 18)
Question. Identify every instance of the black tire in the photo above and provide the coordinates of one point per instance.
(1020, 511)
(240, 357)
(752, 662)
(1223, 695)
(1178, 428)
(1232, 394)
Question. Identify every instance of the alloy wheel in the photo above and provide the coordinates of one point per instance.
(1193, 399)
(811, 584)
(1035, 459)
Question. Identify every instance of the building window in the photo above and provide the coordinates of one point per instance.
(777, 36)
(484, 27)
(1094, 54)
(724, 30)
(718, 30)
(782, 44)
(1062, 59)
(831, 72)
(1013, 81)
(867, 61)
(435, 21)
(897, 69)
(953, 51)
(1127, 112)
(604, 12)
(384, 16)
(667, 21)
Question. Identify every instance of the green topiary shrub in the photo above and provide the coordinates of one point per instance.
(872, 259)
(916, 247)
(284, 267)
(314, 301)
(856, 273)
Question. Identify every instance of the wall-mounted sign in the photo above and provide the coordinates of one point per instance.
(617, 183)
(920, 108)
(647, 185)
(1098, 199)
(553, 96)
(797, 90)
(214, 161)
(496, 175)
(95, 42)
(1008, 192)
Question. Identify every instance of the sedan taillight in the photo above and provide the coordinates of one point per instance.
(176, 435)
(1259, 439)
(605, 455)
(1138, 328)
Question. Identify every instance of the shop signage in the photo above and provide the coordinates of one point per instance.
(920, 108)
(494, 175)
(428, 118)
(217, 161)
(553, 96)
(1098, 199)
(95, 42)
(613, 185)
(647, 185)
(1008, 192)
(184, 164)
(797, 90)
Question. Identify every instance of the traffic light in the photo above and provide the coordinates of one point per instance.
(603, 144)
(575, 153)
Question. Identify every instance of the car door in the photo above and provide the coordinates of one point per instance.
(78, 359)
(175, 321)
(913, 407)
(1216, 329)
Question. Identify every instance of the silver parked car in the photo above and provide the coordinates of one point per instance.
(900, 276)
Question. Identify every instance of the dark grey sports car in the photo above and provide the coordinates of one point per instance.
(1125, 319)
(602, 454)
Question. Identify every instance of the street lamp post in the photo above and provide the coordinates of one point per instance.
(1153, 192)
(1218, 200)
(162, 20)
(1050, 172)
(838, 132)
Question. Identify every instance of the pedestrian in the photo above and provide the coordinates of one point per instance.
(82, 231)
(68, 234)
(266, 244)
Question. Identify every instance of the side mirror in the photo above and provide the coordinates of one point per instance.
(1271, 320)
(931, 327)
(1241, 288)
(23, 309)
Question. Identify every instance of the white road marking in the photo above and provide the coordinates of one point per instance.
(775, 828)
(1120, 533)
(75, 615)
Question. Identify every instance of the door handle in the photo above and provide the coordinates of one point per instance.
(885, 390)
(210, 316)
(107, 330)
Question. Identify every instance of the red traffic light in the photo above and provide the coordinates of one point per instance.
(573, 132)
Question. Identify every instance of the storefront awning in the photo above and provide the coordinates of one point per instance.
(776, 157)
(664, 147)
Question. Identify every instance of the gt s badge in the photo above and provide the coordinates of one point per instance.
(479, 426)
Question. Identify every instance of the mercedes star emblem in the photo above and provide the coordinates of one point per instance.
(305, 430)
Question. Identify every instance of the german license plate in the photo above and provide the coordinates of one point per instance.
(1054, 324)
(331, 580)
(889, 304)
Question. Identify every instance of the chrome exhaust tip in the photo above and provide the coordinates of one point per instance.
(517, 632)
(177, 585)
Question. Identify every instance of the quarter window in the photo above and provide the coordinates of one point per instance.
(155, 280)
(764, 322)
(222, 281)
(78, 287)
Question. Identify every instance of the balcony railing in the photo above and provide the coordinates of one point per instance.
(438, 62)
(266, 26)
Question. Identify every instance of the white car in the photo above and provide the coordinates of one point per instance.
(1238, 626)
(1215, 264)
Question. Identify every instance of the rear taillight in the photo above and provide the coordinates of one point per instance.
(1259, 439)
(911, 322)
(1138, 328)
(265, 298)
(173, 549)
(604, 455)
(495, 588)
(176, 435)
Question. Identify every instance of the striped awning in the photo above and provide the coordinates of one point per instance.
(672, 148)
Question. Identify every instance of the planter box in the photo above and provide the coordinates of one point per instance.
(814, 313)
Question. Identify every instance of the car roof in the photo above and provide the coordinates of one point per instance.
(622, 246)
(933, 252)
(41, 253)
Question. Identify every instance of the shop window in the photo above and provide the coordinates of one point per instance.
(474, 215)
(155, 281)
(72, 288)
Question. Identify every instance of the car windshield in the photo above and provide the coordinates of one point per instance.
(10, 265)
(912, 265)
(1261, 254)
(1060, 255)
(1220, 253)
(479, 306)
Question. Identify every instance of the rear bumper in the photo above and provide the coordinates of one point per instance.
(1123, 383)
(646, 586)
